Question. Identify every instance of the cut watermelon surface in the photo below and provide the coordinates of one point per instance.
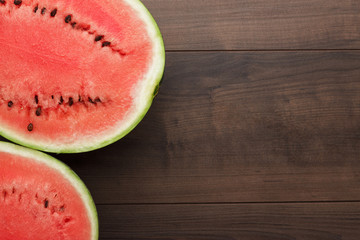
(42, 199)
(76, 75)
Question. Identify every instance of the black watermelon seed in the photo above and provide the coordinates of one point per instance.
(97, 99)
(99, 37)
(52, 96)
(61, 100)
(46, 203)
(10, 104)
(73, 24)
(71, 101)
(36, 8)
(36, 99)
(90, 100)
(43, 10)
(105, 44)
(30, 127)
(2, 2)
(79, 98)
(38, 111)
(17, 2)
(53, 12)
(68, 18)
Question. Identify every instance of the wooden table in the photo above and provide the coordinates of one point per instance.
(255, 133)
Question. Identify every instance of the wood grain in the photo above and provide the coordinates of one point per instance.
(326, 221)
(239, 127)
(242, 142)
(257, 24)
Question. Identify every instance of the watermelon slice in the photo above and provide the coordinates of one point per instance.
(76, 75)
(42, 199)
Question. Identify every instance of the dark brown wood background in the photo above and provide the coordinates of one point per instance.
(255, 133)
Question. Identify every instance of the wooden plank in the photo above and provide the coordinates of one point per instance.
(327, 221)
(257, 24)
(273, 126)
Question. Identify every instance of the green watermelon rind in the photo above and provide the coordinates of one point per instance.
(154, 80)
(68, 174)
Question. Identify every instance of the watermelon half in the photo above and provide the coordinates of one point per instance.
(42, 199)
(76, 75)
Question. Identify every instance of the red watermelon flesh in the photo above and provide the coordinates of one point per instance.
(42, 199)
(76, 75)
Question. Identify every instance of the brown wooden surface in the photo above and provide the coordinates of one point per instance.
(260, 142)
(240, 127)
(325, 221)
(257, 24)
